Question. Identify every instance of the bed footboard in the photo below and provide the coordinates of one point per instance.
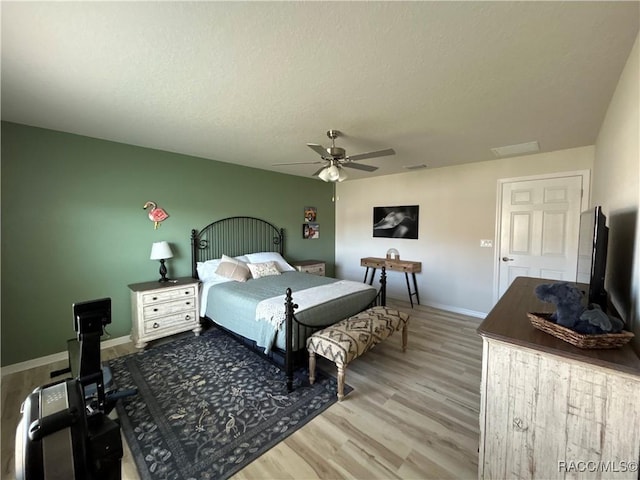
(290, 307)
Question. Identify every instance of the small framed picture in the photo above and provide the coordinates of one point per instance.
(310, 230)
(310, 214)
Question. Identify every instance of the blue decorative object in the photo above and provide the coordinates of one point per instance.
(571, 313)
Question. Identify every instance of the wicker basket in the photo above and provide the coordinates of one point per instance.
(604, 340)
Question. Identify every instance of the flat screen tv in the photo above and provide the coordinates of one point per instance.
(592, 255)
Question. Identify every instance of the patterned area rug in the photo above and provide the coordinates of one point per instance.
(207, 406)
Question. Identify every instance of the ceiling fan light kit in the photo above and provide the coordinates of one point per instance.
(332, 173)
(324, 174)
(336, 157)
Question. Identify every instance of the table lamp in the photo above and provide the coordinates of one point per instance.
(161, 251)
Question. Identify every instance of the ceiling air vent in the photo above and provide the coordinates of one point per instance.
(513, 150)
(415, 167)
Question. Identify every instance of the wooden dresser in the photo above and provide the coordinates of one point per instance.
(549, 409)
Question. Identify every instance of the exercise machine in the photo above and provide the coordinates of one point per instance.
(65, 431)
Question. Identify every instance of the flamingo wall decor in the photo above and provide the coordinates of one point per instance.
(156, 214)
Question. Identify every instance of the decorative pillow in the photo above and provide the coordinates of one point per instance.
(263, 269)
(262, 257)
(233, 269)
(207, 270)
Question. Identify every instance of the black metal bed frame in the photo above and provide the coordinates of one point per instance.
(235, 236)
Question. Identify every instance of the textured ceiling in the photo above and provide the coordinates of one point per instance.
(252, 82)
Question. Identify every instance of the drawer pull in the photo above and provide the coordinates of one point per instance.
(187, 303)
(154, 298)
(155, 309)
(187, 292)
(187, 317)
(156, 325)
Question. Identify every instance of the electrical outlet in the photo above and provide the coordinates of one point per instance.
(486, 243)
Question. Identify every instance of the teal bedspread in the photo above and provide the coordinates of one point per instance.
(233, 306)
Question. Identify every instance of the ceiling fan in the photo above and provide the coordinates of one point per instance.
(334, 158)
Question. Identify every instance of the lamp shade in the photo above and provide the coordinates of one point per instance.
(333, 173)
(160, 251)
(324, 174)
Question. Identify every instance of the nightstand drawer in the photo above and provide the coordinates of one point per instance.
(170, 321)
(168, 308)
(315, 269)
(168, 295)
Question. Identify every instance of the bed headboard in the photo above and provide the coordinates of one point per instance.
(234, 236)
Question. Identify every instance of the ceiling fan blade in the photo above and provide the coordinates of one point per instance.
(379, 153)
(319, 149)
(359, 166)
(296, 163)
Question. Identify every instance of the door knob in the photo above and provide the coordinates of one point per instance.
(507, 259)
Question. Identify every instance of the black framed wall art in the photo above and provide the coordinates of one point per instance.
(396, 221)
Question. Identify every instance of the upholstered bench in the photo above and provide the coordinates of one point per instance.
(350, 338)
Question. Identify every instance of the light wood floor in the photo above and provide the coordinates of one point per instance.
(411, 415)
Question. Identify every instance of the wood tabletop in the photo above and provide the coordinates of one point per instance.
(408, 266)
(508, 322)
(173, 282)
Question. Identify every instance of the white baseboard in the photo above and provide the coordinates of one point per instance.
(461, 311)
(55, 357)
(447, 308)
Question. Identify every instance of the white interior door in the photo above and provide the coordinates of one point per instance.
(539, 225)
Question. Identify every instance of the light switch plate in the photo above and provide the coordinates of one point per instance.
(486, 243)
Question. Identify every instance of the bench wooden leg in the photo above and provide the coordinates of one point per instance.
(405, 334)
(341, 369)
(312, 367)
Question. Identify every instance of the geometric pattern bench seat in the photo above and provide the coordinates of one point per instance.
(350, 338)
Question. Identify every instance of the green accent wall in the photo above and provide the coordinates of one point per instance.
(73, 226)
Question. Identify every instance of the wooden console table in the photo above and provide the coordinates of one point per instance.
(547, 408)
(406, 266)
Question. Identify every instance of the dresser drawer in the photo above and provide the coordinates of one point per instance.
(170, 322)
(168, 308)
(168, 295)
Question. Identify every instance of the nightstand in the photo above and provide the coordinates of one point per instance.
(162, 309)
(314, 267)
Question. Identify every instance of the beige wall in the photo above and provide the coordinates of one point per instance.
(616, 182)
(457, 209)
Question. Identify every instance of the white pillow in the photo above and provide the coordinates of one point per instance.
(263, 269)
(233, 269)
(262, 257)
(207, 270)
